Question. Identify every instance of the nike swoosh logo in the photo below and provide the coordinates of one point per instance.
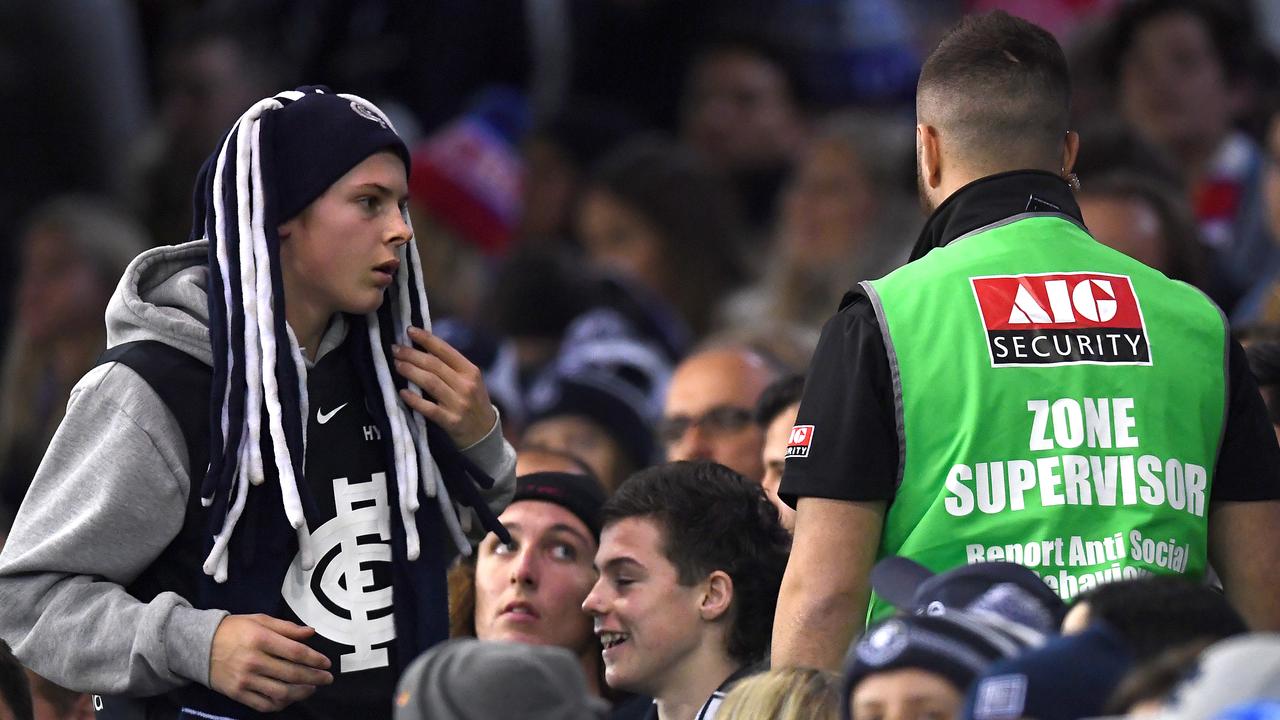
(323, 417)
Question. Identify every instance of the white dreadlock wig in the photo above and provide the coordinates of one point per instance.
(239, 200)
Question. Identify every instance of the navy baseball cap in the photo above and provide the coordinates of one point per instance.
(1069, 677)
(1006, 589)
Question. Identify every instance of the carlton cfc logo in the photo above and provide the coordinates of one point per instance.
(340, 596)
(1061, 319)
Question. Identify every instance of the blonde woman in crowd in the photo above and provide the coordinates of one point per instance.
(783, 694)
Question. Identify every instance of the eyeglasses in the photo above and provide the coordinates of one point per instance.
(719, 420)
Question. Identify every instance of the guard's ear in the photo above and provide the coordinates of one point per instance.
(930, 149)
(717, 595)
(1070, 150)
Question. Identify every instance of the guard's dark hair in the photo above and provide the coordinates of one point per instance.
(778, 396)
(999, 87)
(14, 690)
(712, 519)
(1155, 614)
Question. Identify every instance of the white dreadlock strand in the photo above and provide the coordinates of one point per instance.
(289, 492)
(456, 518)
(217, 562)
(430, 469)
(266, 328)
(300, 363)
(260, 347)
(248, 299)
(395, 422)
(419, 287)
(248, 456)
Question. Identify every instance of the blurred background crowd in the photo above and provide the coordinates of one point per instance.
(602, 186)
(635, 215)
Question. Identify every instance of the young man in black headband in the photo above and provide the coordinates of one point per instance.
(252, 501)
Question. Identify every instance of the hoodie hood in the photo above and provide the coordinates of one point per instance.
(163, 296)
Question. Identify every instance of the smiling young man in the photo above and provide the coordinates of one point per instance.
(250, 504)
(686, 595)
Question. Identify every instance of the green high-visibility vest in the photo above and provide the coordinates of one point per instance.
(1059, 404)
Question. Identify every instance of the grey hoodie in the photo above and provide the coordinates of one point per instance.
(111, 494)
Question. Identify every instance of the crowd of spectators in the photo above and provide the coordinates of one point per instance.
(635, 217)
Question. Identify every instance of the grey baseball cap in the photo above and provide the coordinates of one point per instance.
(469, 679)
(1234, 672)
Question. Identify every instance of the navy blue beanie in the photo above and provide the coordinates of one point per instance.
(956, 646)
(346, 129)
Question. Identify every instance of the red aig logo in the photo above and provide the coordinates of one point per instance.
(798, 443)
(1061, 319)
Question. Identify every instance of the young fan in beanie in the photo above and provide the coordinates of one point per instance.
(926, 662)
(252, 501)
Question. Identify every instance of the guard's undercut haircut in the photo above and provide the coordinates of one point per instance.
(997, 88)
(712, 519)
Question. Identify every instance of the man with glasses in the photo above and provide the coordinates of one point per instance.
(709, 411)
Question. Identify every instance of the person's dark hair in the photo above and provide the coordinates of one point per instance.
(999, 87)
(778, 396)
(1156, 613)
(1264, 360)
(742, 537)
(581, 465)
(1227, 26)
(1184, 252)
(1263, 354)
(563, 294)
(266, 63)
(1108, 147)
(762, 48)
(1155, 679)
(14, 689)
(694, 212)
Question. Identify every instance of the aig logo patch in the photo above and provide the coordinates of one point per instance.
(1061, 319)
(798, 442)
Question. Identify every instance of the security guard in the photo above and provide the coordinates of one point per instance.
(1019, 391)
